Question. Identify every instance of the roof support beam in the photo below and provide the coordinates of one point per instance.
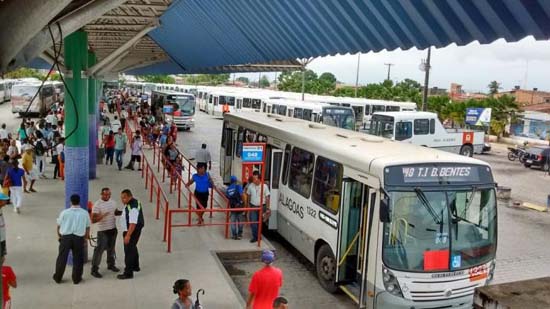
(107, 68)
(68, 23)
(145, 6)
(51, 60)
(21, 21)
(123, 48)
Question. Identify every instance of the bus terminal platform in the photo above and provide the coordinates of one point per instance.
(32, 249)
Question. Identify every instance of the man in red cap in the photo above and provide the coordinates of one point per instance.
(265, 284)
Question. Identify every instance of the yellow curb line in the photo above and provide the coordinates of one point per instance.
(533, 206)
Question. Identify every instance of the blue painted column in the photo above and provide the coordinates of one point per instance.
(76, 119)
(92, 117)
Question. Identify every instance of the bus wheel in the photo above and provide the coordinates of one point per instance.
(326, 268)
(467, 150)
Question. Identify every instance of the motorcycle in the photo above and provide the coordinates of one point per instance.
(517, 153)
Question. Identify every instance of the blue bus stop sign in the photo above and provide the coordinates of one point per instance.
(252, 153)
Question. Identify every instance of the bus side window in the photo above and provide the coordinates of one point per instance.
(301, 171)
(240, 138)
(421, 126)
(367, 110)
(403, 130)
(286, 164)
(327, 184)
(432, 126)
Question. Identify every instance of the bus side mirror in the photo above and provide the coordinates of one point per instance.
(384, 211)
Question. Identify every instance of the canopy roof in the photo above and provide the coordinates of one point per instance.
(210, 36)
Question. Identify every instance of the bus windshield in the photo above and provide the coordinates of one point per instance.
(340, 117)
(382, 126)
(442, 230)
(186, 105)
(24, 91)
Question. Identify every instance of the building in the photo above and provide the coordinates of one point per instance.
(458, 94)
(528, 97)
(532, 124)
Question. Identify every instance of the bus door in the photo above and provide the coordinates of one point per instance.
(239, 104)
(351, 233)
(275, 175)
(226, 154)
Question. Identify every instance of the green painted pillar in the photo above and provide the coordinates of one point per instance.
(76, 119)
(92, 117)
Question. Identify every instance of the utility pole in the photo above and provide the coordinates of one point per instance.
(259, 79)
(389, 69)
(304, 62)
(357, 76)
(427, 68)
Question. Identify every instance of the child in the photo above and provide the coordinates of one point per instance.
(8, 279)
(176, 170)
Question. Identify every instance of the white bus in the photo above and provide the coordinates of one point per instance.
(391, 224)
(183, 107)
(425, 129)
(21, 95)
(5, 90)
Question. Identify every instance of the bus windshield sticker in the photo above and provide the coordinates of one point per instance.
(456, 262)
(437, 173)
(441, 238)
(436, 259)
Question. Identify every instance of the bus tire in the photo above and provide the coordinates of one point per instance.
(325, 265)
(467, 150)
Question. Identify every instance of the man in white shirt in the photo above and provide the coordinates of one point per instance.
(103, 214)
(136, 147)
(3, 132)
(51, 118)
(203, 156)
(132, 223)
(254, 199)
(115, 124)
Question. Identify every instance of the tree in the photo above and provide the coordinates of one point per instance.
(25, 73)
(494, 86)
(292, 81)
(243, 80)
(264, 82)
(207, 79)
(161, 79)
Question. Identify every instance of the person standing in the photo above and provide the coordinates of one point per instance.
(60, 148)
(16, 176)
(265, 284)
(115, 124)
(203, 184)
(28, 166)
(132, 223)
(103, 213)
(3, 132)
(203, 156)
(8, 280)
(4, 167)
(120, 147)
(8, 277)
(182, 287)
(73, 228)
(109, 144)
(234, 193)
(253, 200)
(40, 148)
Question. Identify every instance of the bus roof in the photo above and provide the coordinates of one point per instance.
(408, 115)
(367, 153)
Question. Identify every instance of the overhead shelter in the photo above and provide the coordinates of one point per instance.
(208, 36)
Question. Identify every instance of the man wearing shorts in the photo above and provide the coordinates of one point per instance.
(28, 165)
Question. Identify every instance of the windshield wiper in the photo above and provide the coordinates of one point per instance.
(422, 197)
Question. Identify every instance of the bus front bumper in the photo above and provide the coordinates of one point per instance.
(387, 300)
(184, 124)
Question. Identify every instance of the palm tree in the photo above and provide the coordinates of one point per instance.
(494, 86)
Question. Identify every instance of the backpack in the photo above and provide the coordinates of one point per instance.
(235, 199)
(39, 148)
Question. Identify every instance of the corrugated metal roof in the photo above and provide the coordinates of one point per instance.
(202, 34)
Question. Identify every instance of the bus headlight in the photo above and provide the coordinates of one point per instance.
(390, 283)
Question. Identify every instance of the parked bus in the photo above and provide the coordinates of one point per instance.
(217, 99)
(22, 94)
(391, 224)
(425, 129)
(59, 92)
(182, 110)
(5, 90)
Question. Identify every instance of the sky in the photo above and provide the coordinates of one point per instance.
(525, 63)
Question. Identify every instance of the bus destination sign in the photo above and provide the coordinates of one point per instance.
(446, 173)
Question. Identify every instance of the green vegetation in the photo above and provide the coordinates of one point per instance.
(162, 79)
(264, 82)
(206, 79)
(494, 86)
(243, 80)
(25, 73)
(292, 81)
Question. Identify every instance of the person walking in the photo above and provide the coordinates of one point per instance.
(40, 149)
(115, 124)
(109, 144)
(203, 156)
(203, 184)
(3, 132)
(182, 287)
(253, 200)
(8, 280)
(4, 167)
(120, 147)
(132, 223)
(265, 284)
(60, 149)
(73, 228)
(136, 147)
(103, 214)
(28, 166)
(234, 194)
(16, 178)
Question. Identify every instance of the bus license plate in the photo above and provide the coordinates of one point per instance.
(529, 161)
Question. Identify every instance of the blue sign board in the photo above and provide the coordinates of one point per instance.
(167, 109)
(252, 153)
(478, 116)
(456, 261)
